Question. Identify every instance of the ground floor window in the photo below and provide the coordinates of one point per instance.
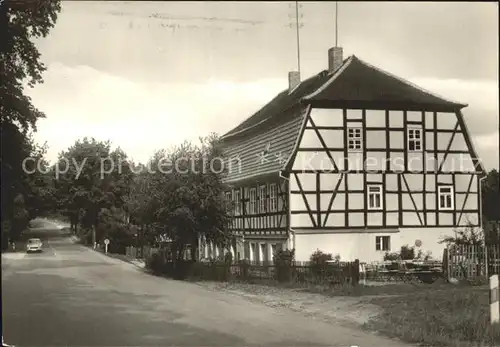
(382, 243)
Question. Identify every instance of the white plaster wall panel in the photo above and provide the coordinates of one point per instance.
(355, 160)
(397, 162)
(459, 201)
(446, 164)
(460, 162)
(471, 203)
(415, 162)
(430, 201)
(415, 181)
(355, 182)
(430, 183)
(396, 119)
(418, 198)
(429, 141)
(335, 219)
(406, 201)
(374, 178)
(391, 202)
(302, 220)
(392, 219)
(322, 162)
(338, 203)
(445, 179)
(354, 114)
(445, 218)
(339, 159)
(431, 164)
(375, 161)
(429, 120)
(332, 138)
(311, 199)
(329, 181)
(431, 219)
(443, 140)
(356, 201)
(458, 143)
(414, 116)
(327, 117)
(462, 183)
(375, 139)
(345, 245)
(446, 120)
(308, 181)
(374, 219)
(297, 203)
(356, 219)
(391, 182)
(375, 118)
(469, 218)
(410, 218)
(396, 140)
(310, 139)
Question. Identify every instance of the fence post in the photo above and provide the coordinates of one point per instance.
(494, 304)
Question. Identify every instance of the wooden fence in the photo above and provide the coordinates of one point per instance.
(472, 261)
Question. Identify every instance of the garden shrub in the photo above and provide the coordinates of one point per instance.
(283, 260)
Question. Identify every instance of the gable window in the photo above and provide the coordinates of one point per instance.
(262, 199)
(445, 194)
(382, 243)
(414, 139)
(237, 201)
(253, 200)
(374, 197)
(354, 139)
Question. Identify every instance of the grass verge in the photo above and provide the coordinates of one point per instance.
(458, 316)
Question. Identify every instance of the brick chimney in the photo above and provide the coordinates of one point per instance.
(335, 59)
(293, 80)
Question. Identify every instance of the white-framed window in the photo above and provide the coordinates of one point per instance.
(272, 198)
(445, 194)
(414, 139)
(262, 199)
(375, 197)
(382, 243)
(354, 139)
(237, 201)
(253, 201)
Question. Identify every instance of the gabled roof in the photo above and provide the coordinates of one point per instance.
(354, 83)
(358, 81)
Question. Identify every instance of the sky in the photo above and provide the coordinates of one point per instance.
(149, 75)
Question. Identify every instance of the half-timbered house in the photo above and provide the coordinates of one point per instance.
(352, 161)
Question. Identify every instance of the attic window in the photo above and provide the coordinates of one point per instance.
(354, 139)
(414, 139)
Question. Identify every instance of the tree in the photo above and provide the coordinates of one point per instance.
(182, 197)
(89, 178)
(20, 65)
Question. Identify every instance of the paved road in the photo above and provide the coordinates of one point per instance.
(72, 296)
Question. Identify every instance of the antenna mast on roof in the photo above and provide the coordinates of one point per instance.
(298, 36)
(297, 25)
(336, 23)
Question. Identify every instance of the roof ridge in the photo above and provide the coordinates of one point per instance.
(409, 83)
(336, 74)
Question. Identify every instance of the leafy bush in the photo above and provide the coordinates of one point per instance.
(407, 253)
(155, 263)
(391, 256)
(318, 261)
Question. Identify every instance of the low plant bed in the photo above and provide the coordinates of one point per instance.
(458, 316)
